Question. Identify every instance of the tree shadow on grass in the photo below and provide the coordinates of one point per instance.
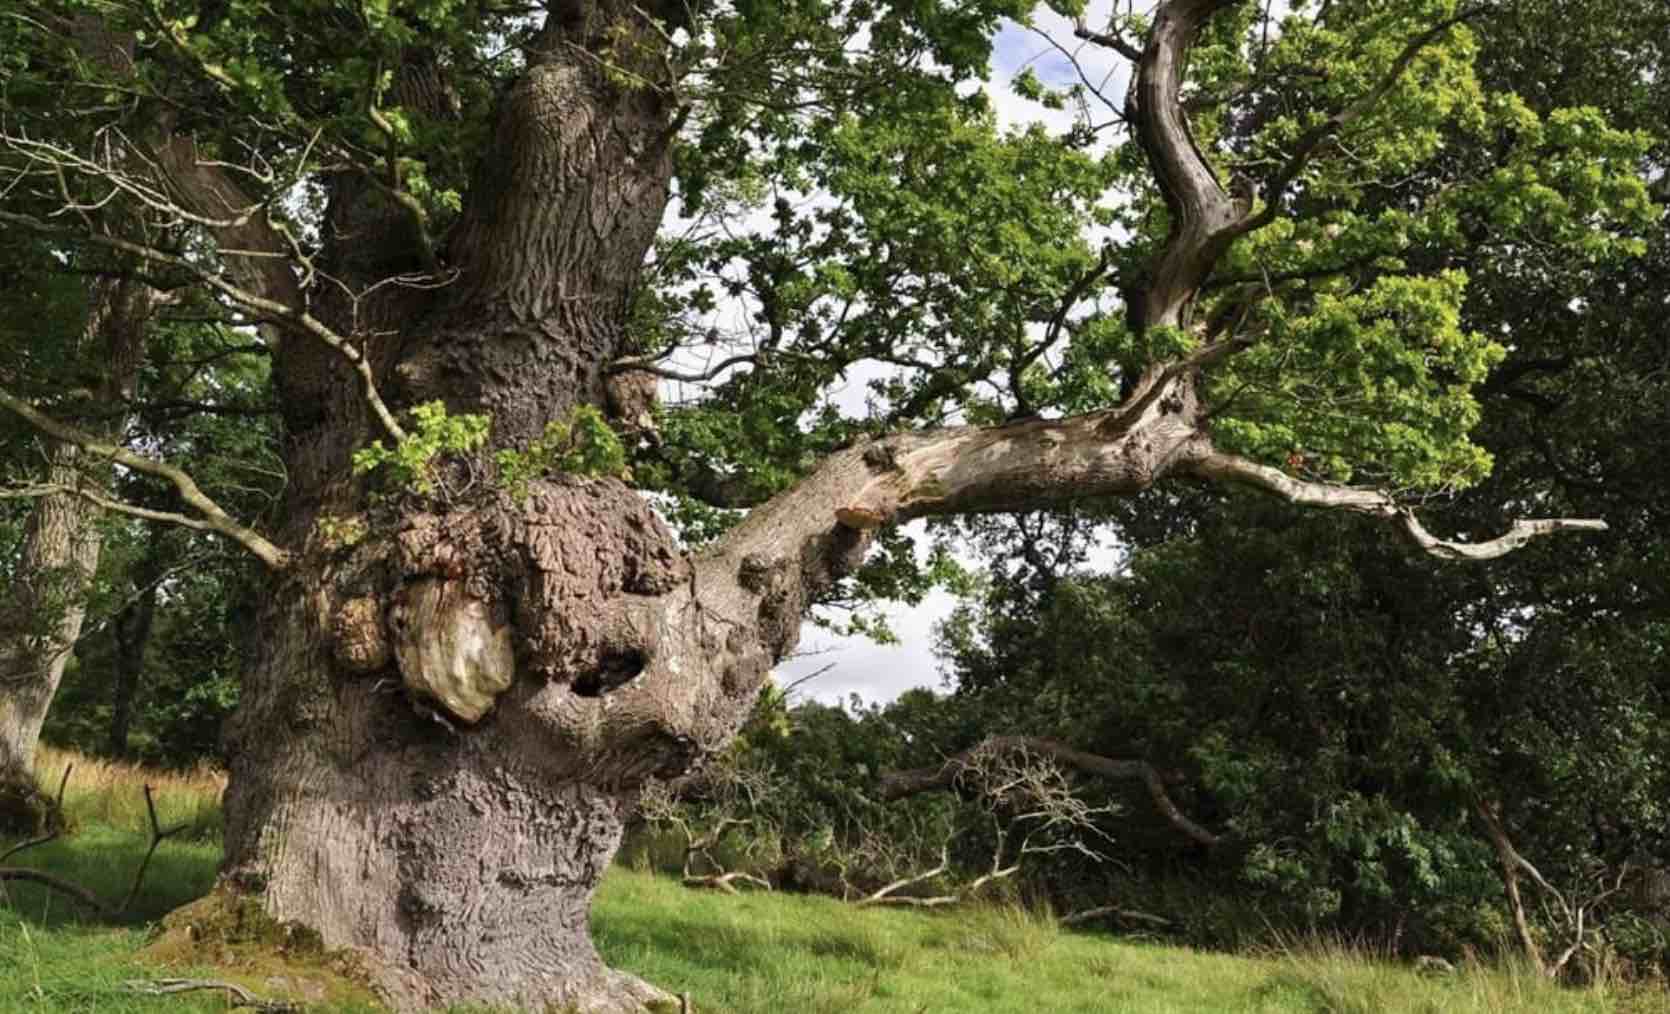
(104, 862)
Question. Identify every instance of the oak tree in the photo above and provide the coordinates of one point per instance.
(440, 218)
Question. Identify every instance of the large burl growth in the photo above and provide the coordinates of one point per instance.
(493, 684)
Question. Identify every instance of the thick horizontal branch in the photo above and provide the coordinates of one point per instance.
(1377, 503)
(899, 784)
(213, 518)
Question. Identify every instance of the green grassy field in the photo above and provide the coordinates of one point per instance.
(755, 953)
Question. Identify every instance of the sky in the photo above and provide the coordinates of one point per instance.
(857, 665)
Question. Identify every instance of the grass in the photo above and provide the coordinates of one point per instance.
(755, 953)
(769, 953)
(111, 794)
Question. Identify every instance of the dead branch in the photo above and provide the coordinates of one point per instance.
(1573, 914)
(1113, 911)
(157, 836)
(1033, 810)
(1108, 40)
(233, 991)
(659, 804)
(1219, 466)
(886, 894)
(898, 784)
(23, 874)
(726, 881)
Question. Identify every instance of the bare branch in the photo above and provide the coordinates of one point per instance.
(1107, 40)
(245, 1000)
(898, 784)
(23, 874)
(642, 365)
(887, 894)
(158, 834)
(213, 517)
(1104, 911)
(1377, 503)
(243, 297)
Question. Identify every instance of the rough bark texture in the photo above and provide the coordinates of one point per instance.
(462, 859)
(40, 620)
(448, 722)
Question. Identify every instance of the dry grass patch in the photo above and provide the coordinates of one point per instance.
(112, 793)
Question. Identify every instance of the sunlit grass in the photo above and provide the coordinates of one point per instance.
(112, 793)
(767, 953)
(754, 953)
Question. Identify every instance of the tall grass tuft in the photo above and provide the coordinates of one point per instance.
(1355, 976)
(112, 794)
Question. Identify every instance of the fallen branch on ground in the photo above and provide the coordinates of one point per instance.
(1114, 911)
(24, 874)
(235, 994)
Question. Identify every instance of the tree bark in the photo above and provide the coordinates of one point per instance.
(42, 613)
(41, 618)
(447, 724)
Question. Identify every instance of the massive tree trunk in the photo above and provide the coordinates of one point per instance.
(458, 695)
(446, 726)
(41, 614)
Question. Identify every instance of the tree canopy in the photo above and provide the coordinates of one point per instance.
(458, 246)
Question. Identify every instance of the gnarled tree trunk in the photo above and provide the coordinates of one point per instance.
(434, 756)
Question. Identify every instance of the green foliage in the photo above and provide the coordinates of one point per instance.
(1389, 367)
(412, 463)
(582, 444)
(340, 532)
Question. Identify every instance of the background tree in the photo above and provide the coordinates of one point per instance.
(103, 321)
(437, 216)
(1353, 717)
